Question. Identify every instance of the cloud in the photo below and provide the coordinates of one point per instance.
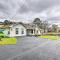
(28, 9)
(38, 5)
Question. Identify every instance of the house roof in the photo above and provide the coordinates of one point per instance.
(30, 26)
(4, 26)
(17, 24)
(27, 26)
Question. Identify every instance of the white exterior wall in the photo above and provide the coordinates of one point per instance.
(13, 31)
(37, 33)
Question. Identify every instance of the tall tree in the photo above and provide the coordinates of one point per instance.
(6, 22)
(42, 24)
(37, 22)
(45, 26)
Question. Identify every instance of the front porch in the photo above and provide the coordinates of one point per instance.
(30, 32)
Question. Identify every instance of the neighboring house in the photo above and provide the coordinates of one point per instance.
(58, 30)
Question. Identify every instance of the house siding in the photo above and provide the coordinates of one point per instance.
(13, 30)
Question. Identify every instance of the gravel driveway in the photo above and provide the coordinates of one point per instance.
(31, 48)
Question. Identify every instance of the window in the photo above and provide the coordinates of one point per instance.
(17, 30)
(22, 31)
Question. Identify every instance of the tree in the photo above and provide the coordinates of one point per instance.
(45, 26)
(41, 24)
(54, 28)
(6, 22)
(37, 22)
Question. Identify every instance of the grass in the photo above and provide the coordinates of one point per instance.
(50, 37)
(53, 33)
(8, 41)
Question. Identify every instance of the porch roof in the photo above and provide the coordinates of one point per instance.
(30, 26)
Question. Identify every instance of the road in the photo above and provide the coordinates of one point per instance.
(31, 48)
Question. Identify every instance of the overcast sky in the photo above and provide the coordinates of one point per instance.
(27, 10)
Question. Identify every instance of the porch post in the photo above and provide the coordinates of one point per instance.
(33, 32)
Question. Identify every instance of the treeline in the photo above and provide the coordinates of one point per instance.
(46, 26)
(41, 24)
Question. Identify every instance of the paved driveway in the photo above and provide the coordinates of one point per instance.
(31, 48)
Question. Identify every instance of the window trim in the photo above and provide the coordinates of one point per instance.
(16, 30)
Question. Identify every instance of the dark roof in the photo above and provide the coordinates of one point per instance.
(30, 26)
(27, 26)
(17, 23)
(4, 26)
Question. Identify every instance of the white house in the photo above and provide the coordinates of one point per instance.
(17, 30)
(21, 29)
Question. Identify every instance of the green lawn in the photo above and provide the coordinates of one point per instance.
(49, 37)
(53, 33)
(8, 41)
